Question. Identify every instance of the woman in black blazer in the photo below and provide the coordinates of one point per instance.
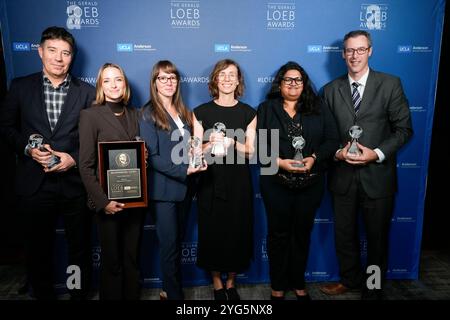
(294, 110)
(111, 119)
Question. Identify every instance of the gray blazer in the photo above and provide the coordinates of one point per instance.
(386, 122)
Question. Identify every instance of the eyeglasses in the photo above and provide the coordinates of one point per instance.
(231, 76)
(351, 51)
(290, 81)
(164, 79)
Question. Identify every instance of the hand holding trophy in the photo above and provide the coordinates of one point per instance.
(36, 141)
(218, 148)
(355, 133)
(195, 152)
(298, 143)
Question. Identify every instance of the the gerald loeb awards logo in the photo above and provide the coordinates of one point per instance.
(280, 16)
(373, 16)
(185, 14)
(81, 14)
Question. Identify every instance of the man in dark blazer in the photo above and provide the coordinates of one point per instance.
(365, 181)
(48, 103)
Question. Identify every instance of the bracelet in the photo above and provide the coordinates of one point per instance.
(314, 156)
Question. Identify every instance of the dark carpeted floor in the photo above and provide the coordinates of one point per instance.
(433, 284)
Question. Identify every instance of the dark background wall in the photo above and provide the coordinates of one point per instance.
(437, 213)
(10, 232)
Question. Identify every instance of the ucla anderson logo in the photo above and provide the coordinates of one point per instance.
(314, 49)
(221, 47)
(81, 14)
(124, 47)
(404, 49)
(21, 46)
(373, 16)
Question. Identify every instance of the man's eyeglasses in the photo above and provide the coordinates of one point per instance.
(290, 81)
(164, 79)
(351, 51)
(222, 76)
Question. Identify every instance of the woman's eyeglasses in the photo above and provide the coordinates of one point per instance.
(291, 81)
(164, 79)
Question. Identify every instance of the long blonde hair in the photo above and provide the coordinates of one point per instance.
(155, 107)
(100, 95)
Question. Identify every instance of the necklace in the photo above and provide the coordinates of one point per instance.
(118, 114)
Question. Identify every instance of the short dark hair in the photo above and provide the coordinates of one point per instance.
(357, 33)
(52, 33)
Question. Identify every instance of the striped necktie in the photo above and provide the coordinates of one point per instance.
(356, 97)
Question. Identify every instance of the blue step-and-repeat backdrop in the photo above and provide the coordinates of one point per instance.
(260, 35)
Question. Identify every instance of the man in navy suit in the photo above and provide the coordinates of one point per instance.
(48, 103)
(366, 181)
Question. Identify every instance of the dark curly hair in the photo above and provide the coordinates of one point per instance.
(307, 103)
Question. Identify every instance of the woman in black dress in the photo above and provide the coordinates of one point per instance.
(293, 109)
(225, 195)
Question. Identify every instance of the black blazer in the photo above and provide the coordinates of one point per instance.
(23, 113)
(385, 119)
(99, 124)
(319, 132)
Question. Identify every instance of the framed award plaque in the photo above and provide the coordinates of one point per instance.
(122, 172)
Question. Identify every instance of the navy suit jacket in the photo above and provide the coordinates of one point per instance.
(23, 113)
(167, 181)
(385, 119)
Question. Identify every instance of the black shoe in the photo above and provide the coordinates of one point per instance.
(220, 294)
(276, 298)
(304, 298)
(233, 294)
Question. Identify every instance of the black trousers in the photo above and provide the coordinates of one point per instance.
(41, 211)
(376, 214)
(119, 236)
(290, 218)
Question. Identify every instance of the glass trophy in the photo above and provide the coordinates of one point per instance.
(355, 133)
(36, 141)
(298, 143)
(195, 152)
(218, 148)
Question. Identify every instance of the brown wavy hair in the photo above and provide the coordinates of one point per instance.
(155, 109)
(219, 67)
